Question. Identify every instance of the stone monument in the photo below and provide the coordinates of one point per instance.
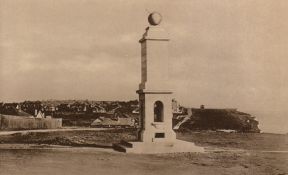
(155, 97)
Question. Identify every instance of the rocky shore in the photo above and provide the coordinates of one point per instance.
(80, 138)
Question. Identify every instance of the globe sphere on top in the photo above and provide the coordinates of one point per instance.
(154, 18)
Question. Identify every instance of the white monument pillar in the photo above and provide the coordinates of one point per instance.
(155, 97)
(155, 93)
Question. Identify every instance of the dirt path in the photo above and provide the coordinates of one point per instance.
(106, 161)
(53, 130)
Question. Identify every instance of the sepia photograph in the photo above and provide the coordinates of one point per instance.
(148, 87)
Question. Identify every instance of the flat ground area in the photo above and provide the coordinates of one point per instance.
(226, 153)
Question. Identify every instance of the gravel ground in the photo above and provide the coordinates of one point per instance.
(226, 153)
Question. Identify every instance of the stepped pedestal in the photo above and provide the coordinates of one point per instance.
(177, 146)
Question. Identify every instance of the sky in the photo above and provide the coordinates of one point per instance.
(225, 54)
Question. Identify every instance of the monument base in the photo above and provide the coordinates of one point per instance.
(177, 146)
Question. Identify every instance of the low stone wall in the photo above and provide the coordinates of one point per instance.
(22, 123)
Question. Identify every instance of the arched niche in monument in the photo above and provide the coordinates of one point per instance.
(158, 111)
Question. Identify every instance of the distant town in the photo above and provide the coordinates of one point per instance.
(122, 114)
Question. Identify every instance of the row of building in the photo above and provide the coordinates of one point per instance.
(50, 107)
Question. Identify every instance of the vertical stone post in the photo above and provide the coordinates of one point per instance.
(154, 90)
